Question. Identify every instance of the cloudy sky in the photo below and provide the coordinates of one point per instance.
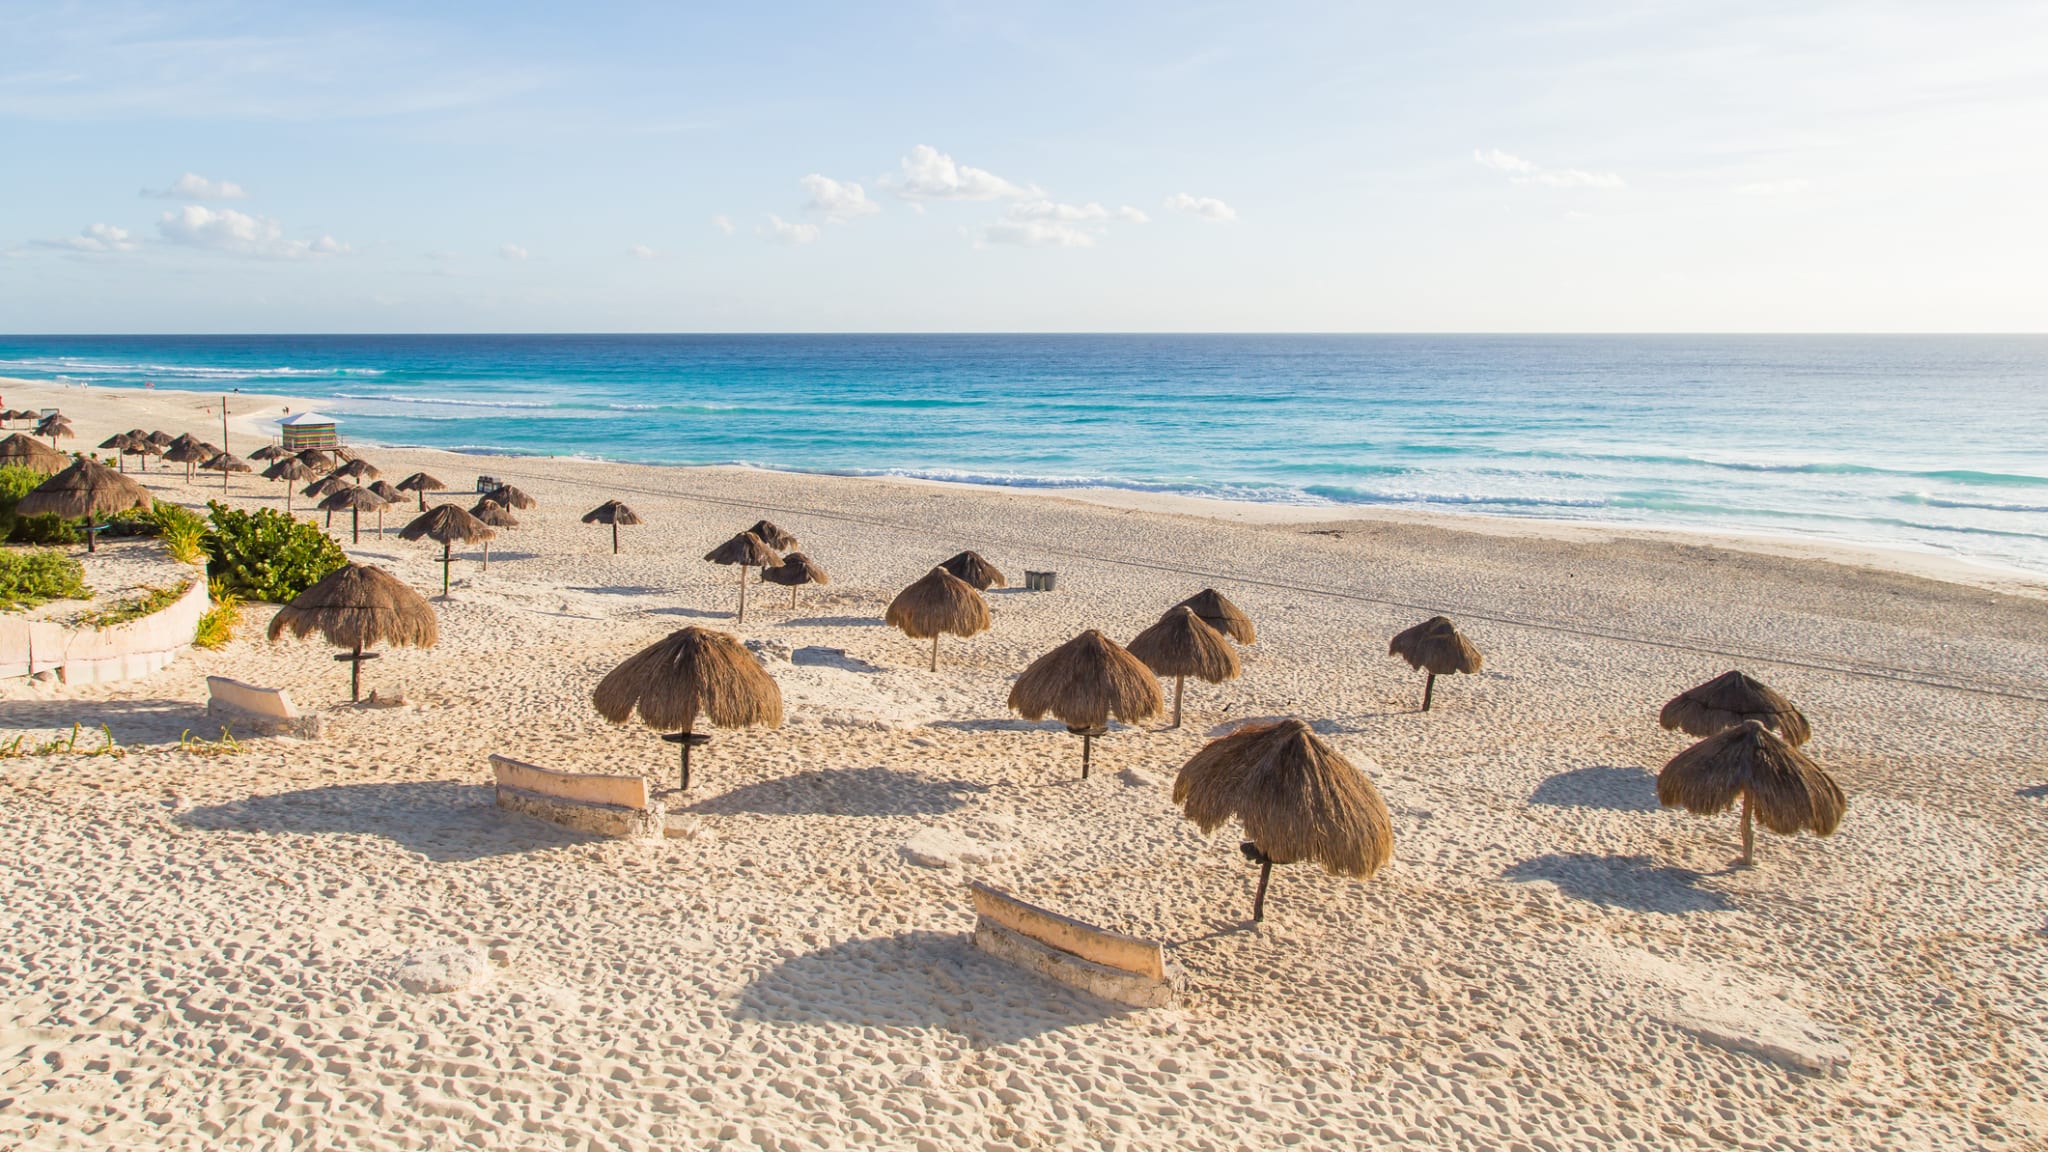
(226, 167)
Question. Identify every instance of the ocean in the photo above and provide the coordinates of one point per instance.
(1931, 443)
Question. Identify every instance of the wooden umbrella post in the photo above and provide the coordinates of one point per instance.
(1178, 683)
(1428, 688)
(447, 556)
(1748, 832)
(935, 638)
(1087, 736)
(355, 525)
(687, 740)
(92, 534)
(1259, 898)
(355, 659)
(615, 536)
(742, 617)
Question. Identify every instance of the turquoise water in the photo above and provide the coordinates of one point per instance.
(1931, 443)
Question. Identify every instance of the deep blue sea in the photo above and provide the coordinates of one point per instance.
(1927, 442)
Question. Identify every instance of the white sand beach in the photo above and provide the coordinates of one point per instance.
(202, 950)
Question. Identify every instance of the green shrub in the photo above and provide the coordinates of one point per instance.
(217, 626)
(181, 530)
(265, 555)
(31, 578)
(16, 482)
(48, 529)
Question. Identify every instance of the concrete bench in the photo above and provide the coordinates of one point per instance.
(588, 802)
(1108, 964)
(247, 710)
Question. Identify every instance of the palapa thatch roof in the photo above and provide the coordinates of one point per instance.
(447, 524)
(745, 549)
(1434, 646)
(316, 459)
(269, 452)
(510, 497)
(359, 606)
(20, 451)
(187, 452)
(85, 488)
(349, 498)
(420, 482)
(289, 468)
(495, 514)
(1728, 700)
(1787, 790)
(226, 462)
(119, 441)
(359, 469)
(796, 568)
(1086, 681)
(1219, 613)
(161, 438)
(772, 536)
(383, 488)
(611, 512)
(939, 602)
(1181, 645)
(325, 486)
(970, 566)
(689, 675)
(1297, 797)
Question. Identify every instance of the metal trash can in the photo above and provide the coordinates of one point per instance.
(1039, 581)
(488, 484)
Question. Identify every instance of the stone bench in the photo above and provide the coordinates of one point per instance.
(618, 806)
(252, 711)
(1108, 964)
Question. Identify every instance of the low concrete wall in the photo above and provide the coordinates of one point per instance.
(127, 651)
(249, 710)
(1108, 964)
(615, 806)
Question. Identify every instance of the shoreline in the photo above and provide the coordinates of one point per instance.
(1942, 567)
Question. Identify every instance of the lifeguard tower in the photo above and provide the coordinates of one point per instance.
(308, 430)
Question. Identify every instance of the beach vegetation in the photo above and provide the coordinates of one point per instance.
(149, 602)
(61, 745)
(181, 531)
(16, 482)
(265, 555)
(217, 626)
(29, 578)
(227, 745)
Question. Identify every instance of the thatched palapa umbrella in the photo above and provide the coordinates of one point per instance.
(1219, 613)
(226, 463)
(85, 491)
(188, 453)
(748, 551)
(511, 497)
(1083, 683)
(449, 525)
(160, 438)
(1728, 700)
(120, 443)
(615, 514)
(316, 459)
(1180, 646)
(969, 566)
(291, 470)
(1435, 648)
(939, 602)
(359, 470)
(1777, 783)
(384, 488)
(56, 427)
(691, 675)
(142, 448)
(1297, 797)
(772, 536)
(269, 452)
(22, 452)
(355, 501)
(421, 483)
(359, 606)
(496, 515)
(322, 488)
(795, 570)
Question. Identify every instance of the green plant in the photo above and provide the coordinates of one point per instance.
(151, 601)
(181, 530)
(218, 625)
(16, 482)
(31, 578)
(64, 745)
(265, 555)
(227, 745)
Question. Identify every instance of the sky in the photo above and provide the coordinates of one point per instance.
(1384, 167)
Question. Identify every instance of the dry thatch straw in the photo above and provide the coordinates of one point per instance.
(359, 606)
(359, 469)
(160, 438)
(289, 469)
(85, 491)
(449, 525)
(1776, 782)
(796, 569)
(1728, 700)
(970, 566)
(1180, 646)
(21, 452)
(316, 459)
(511, 497)
(188, 453)
(390, 494)
(772, 536)
(747, 551)
(615, 514)
(326, 486)
(1296, 796)
(225, 463)
(1219, 613)
(938, 603)
(269, 452)
(355, 501)
(421, 483)
(1435, 648)
(56, 427)
(1083, 683)
(690, 675)
(494, 514)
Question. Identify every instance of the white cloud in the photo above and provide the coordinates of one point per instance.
(1522, 171)
(96, 238)
(838, 201)
(235, 233)
(1051, 224)
(788, 233)
(192, 186)
(1036, 234)
(1206, 207)
(642, 252)
(512, 252)
(723, 224)
(929, 174)
(1792, 187)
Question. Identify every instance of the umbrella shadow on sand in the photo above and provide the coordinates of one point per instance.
(1611, 787)
(918, 980)
(833, 622)
(2037, 792)
(441, 820)
(1633, 882)
(131, 721)
(844, 792)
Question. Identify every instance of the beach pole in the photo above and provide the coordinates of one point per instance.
(1259, 898)
(1428, 688)
(355, 526)
(447, 555)
(742, 617)
(615, 536)
(1087, 742)
(935, 635)
(1748, 833)
(1178, 683)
